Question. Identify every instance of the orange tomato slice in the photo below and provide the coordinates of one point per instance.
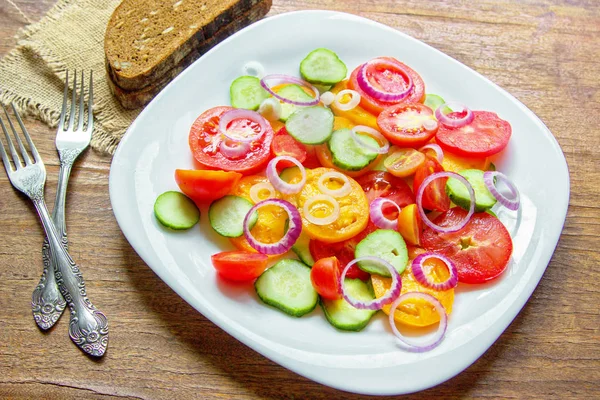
(204, 185)
(416, 312)
(270, 225)
(403, 162)
(354, 209)
(455, 163)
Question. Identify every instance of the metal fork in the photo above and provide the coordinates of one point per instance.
(88, 327)
(47, 303)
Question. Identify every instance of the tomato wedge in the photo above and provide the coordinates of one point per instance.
(393, 79)
(434, 196)
(383, 184)
(206, 185)
(239, 265)
(325, 277)
(481, 250)
(204, 141)
(486, 135)
(408, 125)
(403, 162)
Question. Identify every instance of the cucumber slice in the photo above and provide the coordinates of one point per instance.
(176, 211)
(384, 243)
(349, 155)
(459, 194)
(301, 248)
(287, 286)
(344, 316)
(323, 66)
(310, 125)
(246, 92)
(227, 214)
(292, 92)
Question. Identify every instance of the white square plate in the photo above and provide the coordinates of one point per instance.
(369, 361)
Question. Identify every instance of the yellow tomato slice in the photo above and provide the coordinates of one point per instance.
(341, 123)
(456, 163)
(354, 209)
(270, 225)
(358, 115)
(416, 312)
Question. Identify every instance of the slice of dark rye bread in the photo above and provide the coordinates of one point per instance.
(146, 38)
(131, 99)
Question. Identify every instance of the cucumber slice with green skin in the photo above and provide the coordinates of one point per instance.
(344, 316)
(292, 92)
(227, 214)
(310, 125)
(386, 244)
(484, 200)
(287, 286)
(433, 101)
(323, 66)
(349, 155)
(247, 93)
(176, 211)
(302, 250)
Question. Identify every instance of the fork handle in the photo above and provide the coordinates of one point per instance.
(88, 326)
(47, 303)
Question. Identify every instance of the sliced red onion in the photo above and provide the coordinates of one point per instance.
(376, 304)
(375, 134)
(241, 135)
(419, 201)
(449, 119)
(280, 184)
(234, 149)
(280, 79)
(377, 216)
(259, 187)
(426, 280)
(327, 98)
(510, 203)
(439, 153)
(352, 103)
(441, 331)
(270, 109)
(379, 94)
(333, 175)
(335, 214)
(288, 239)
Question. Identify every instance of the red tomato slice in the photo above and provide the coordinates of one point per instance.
(325, 277)
(383, 184)
(486, 135)
(239, 265)
(343, 251)
(394, 80)
(481, 250)
(205, 139)
(434, 196)
(285, 145)
(206, 185)
(406, 125)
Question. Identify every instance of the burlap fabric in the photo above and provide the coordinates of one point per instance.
(70, 36)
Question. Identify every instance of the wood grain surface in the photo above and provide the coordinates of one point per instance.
(544, 52)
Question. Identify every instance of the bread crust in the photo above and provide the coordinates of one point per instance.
(122, 54)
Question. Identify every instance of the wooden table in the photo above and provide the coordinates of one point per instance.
(544, 52)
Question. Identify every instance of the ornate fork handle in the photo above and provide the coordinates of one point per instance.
(88, 326)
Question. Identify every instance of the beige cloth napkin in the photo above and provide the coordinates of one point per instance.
(70, 36)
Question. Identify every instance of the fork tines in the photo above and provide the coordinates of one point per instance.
(24, 158)
(73, 111)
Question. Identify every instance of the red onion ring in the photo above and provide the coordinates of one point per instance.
(376, 213)
(511, 204)
(235, 150)
(375, 134)
(240, 113)
(281, 78)
(439, 153)
(452, 122)
(439, 336)
(425, 280)
(376, 304)
(288, 239)
(376, 93)
(419, 201)
(278, 183)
